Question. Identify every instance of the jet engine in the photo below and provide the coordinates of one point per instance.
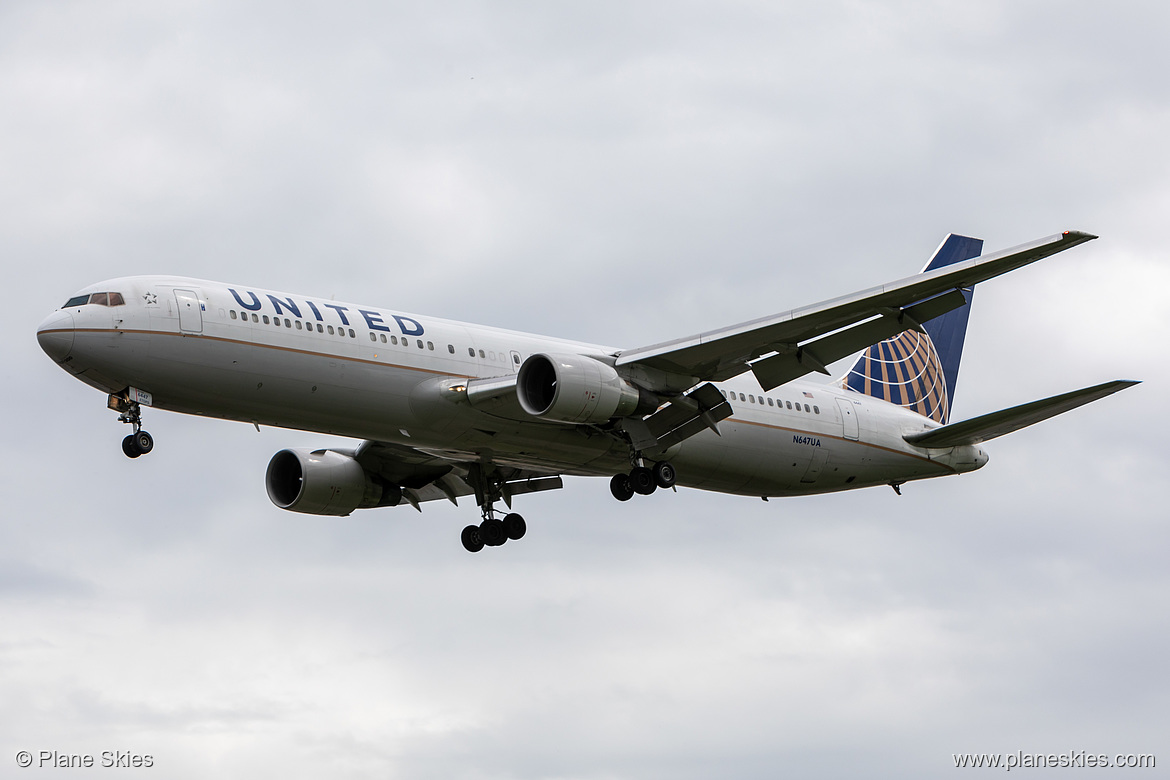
(574, 389)
(324, 482)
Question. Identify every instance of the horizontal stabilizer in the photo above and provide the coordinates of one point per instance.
(989, 426)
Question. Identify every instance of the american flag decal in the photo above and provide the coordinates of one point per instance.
(904, 370)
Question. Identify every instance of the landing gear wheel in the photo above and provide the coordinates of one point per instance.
(621, 487)
(514, 526)
(128, 447)
(143, 442)
(643, 480)
(472, 541)
(664, 474)
(492, 532)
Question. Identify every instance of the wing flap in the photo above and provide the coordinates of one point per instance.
(681, 418)
(433, 476)
(989, 426)
(792, 361)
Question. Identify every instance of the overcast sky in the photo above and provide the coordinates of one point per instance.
(610, 172)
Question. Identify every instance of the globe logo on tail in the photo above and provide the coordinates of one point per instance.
(904, 370)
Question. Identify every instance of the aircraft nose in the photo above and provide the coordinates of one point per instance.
(55, 335)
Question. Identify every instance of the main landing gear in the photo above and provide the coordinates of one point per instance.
(642, 480)
(140, 442)
(493, 531)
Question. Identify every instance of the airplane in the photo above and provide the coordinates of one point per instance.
(448, 409)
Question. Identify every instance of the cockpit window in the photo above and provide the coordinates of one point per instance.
(101, 299)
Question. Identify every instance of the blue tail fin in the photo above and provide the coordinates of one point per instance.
(919, 371)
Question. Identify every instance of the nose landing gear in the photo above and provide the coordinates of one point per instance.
(140, 442)
(137, 444)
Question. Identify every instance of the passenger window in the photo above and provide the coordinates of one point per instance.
(255, 318)
(742, 397)
(319, 328)
(420, 344)
(373, 337)
(287, 324)
(789, 404)
(394, 340)
(481, 355)
(330, 329)
(232, 314)
(770, 402)
(751, 399)
(492, 355)
(298, 324)
(516, 358)
(352, 335)
(116, 299)
(471, 351)
(383, 338)
(806, 408)
(265, 319)
(451, 348)
(431, 346)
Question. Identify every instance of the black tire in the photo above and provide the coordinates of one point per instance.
(492, 532)
(514, 526)
(664, 474)
(472, 542)
(643, 481)
(143, 442)
(129, 447)
(621, 487)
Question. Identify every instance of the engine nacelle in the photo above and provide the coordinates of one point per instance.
(324, 482)
(574, 389)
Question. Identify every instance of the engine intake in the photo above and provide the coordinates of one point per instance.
(574, 389)
(324, 482)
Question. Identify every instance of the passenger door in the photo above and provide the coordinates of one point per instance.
(190, 311)
(849, 425)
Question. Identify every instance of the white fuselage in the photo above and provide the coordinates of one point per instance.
(291, 361)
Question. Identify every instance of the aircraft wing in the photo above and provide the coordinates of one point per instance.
(989, 426)
(785, 346)
(429, 476)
